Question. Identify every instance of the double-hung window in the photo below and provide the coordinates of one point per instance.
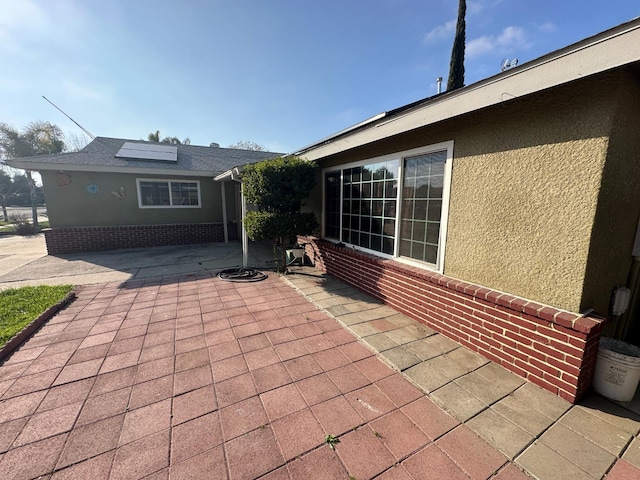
(394, 205)
(168, 193)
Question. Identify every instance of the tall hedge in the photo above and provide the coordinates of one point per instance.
(277, 188)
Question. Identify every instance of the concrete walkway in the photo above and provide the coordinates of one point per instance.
(539, 432)
(24, 261)
(194, 377)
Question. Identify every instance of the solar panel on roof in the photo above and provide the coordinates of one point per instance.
(145, 151)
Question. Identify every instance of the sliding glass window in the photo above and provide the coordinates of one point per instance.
(394, 205)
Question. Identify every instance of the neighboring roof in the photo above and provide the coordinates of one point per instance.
(605, 51)
(100, 156)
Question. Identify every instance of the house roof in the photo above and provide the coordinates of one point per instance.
(605, 51)
(100, 156)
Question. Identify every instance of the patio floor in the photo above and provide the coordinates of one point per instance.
(194, 377)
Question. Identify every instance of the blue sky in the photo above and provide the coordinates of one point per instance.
(282, 73)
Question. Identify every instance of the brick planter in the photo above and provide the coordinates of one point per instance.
(92, 239)
(552, 348)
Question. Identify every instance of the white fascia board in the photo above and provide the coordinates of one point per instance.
(233, 174)
(614, 48)
(70, 167)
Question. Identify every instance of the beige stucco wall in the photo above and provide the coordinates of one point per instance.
(525, 190)
(71, 205)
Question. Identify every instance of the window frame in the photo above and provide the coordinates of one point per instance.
(401, 157)
(167, 181)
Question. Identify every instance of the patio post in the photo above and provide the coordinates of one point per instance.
(225, 225)
(245, 238)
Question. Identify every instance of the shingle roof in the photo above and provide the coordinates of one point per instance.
(100, 153)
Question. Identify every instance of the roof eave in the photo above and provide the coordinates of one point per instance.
(72, 167)
(602, 52)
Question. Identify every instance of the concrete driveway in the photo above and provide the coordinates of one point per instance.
(24, 261)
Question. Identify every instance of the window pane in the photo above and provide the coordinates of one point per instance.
(376, 243)
(421, 214)
(365, 211)
(154, 194)
(376, 225)
(332, 204)
(184, 193)
(389, 227)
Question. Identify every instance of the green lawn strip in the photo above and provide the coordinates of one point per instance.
(21, 306)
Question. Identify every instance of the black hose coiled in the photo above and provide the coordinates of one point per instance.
(241, 275)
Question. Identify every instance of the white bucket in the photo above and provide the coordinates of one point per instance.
(617, 370)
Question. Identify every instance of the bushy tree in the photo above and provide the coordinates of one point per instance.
(248, 145)
(155, 137)
(37, 138)
(7, 192)
(277, 188)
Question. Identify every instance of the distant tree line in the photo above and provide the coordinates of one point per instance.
(15, 192)
(37, 138)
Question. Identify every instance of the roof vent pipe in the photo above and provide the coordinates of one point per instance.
(439, 82)
(214, 145)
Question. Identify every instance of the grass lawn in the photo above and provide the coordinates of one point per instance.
(20, 306)
(9, 227)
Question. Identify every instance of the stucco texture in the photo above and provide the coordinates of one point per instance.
(70, 204)
(527, 213)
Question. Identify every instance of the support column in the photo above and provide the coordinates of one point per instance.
(225, 223)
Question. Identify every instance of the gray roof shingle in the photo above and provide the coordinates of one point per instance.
(102, 150)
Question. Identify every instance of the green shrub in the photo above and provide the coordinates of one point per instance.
(22, 224)
(278, 187)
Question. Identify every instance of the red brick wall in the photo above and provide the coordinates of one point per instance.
(552, 348)
(92, 239)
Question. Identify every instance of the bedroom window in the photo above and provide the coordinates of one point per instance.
(394, 205)
(168, 194)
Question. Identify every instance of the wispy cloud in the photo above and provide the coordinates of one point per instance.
(511, 39)
(19, 19)
(547, 27)
(441, 32)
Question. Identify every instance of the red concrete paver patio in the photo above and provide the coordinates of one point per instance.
(194, 377)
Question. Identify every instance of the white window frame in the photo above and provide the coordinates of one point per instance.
(401, 156)
(167, 181)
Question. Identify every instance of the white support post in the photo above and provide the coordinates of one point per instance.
(245, 238)
(225, 223)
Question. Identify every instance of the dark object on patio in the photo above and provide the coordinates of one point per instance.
(241, 275)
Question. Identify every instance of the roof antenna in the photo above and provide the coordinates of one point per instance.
(506, 64)
(81, 127)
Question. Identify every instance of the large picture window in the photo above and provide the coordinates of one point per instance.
(168, 194)
(395, 205)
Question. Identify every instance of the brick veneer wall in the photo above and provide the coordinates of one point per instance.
(552, 348)
(92, 239)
